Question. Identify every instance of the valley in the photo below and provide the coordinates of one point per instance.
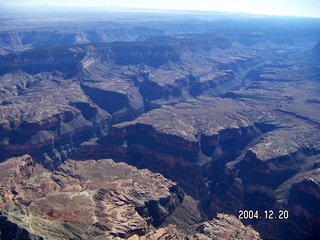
(202, 115)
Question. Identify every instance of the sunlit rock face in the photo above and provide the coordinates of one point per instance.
(188, 136)
(82, 199)
(101, 199)
(228, 110)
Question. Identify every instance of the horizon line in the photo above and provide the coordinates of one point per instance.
(100, 8)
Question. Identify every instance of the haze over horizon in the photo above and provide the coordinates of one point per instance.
(306, 8)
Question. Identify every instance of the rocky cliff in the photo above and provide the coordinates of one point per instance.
(81, 199)
(22, 30)
(243, 150)
(109, 83)
(95, 199)
(230, 113)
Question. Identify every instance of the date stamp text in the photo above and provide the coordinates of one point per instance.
(266, 214)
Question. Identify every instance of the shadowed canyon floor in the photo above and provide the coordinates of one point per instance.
(202, 119)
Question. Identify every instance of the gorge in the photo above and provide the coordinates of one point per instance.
(203, 117)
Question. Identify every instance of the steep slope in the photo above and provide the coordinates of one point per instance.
(81, 199)
(253, 148)
(55, 98)
(231, 115)
(41, 117)
(94, 200)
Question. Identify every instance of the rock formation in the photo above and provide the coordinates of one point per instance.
(82, 199)
(227, 110)
(94, 199)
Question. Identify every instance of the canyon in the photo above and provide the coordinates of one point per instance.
(154, 129)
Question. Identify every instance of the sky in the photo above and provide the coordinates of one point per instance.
(309, 8)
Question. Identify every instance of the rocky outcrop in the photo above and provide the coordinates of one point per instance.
(81, 90)
(242, 151)
(192, 137)
(304, 201)
(92, 198)
(40, 117)
(101, 198)
(33, 62)
(225, 227)
(66, 31)
(10, 230)
(17, 35)
(231, 115)
(222, 227)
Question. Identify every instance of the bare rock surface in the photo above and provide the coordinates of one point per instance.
(225, 227)
(228, 109)
(39, 113)
(222, 227)
(102, 199)
(57, 98)
(84, 200)
(187, 135)
(264, 145)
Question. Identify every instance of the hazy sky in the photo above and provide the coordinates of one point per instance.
(276, 7)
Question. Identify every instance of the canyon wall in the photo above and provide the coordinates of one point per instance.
(230, 115)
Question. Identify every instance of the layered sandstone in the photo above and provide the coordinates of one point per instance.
(85, 199)
(231, 114)
(222, 227)
(101, 199)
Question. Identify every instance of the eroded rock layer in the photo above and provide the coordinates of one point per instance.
(229, 110)
(85, 199)
(97, 199)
